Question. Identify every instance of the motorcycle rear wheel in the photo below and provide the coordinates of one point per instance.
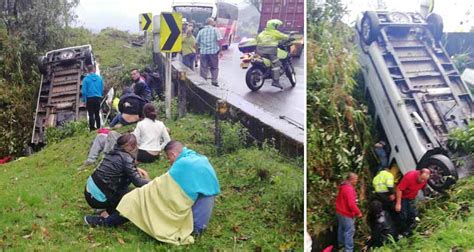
(255, 78)
(290, 73)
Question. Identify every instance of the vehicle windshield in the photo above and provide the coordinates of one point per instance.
(195, 13)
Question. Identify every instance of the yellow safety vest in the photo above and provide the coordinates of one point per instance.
(383, 181)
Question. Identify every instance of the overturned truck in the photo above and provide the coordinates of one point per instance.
(59, 96)
(414, 91)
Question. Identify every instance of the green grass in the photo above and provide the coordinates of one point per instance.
(42, 202)
(447, 222)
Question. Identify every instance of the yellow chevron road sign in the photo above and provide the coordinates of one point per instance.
(145, 22)
(170, 31)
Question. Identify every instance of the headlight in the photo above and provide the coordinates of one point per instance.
(66, 55)
(398, 17)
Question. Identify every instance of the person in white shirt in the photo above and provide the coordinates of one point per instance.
(152, 135)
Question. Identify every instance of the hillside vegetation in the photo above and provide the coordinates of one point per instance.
(260, 207)
(338, 129)
(447, 222)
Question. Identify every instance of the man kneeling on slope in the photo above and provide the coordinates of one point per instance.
(174, 205)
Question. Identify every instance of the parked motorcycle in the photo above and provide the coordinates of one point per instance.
(261, 67)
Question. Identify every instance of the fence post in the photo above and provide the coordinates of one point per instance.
(182, 95)
(221, 110)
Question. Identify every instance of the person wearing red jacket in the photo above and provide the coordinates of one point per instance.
(411, 183)
(346, 211)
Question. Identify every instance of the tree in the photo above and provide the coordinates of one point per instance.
(28, 28)
(338, 129)
(257, 4)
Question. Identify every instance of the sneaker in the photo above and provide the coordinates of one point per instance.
(215, 84)
(94, 220)
(277, 84)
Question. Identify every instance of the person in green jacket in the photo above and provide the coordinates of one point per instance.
(267, 42)
(384, 188)
(189, 47)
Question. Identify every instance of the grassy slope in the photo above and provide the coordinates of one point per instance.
(42, 203)
(446, 222)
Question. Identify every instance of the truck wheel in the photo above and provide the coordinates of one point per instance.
(370, 27)
(255, 78)
(42, 66)
(443, 172)
(88, 57)
(435, 25)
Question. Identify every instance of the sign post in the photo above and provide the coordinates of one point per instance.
(145, 23)
(170, 41)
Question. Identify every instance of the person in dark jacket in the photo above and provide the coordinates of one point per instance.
(92, 92)
(381, 224)
(154, 82)
(110, 181)
(140, 87)
(346, 211)
(130, 107)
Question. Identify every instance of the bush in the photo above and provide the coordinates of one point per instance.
(462, 139)
(339, 135)
(16, 117)
(233, 136)
(55, 135)
(28, 29)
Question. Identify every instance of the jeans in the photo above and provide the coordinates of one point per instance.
(210, 61)
(97, 147)
(118, 119)
(202, 210)
(345, 232)
(93, 110)
(382, 155)
(114, 219)
(408, 214)
(109, 205)
(189, 59)
(145, 157)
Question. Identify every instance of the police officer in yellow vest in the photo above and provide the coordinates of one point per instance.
(384, 188)
(267, 42)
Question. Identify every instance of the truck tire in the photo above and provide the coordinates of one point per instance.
(435, 25)
(370, 27)
(443, 172)
(255, 77)
(42, 66)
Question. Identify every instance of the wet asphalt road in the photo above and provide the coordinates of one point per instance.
(287, 104)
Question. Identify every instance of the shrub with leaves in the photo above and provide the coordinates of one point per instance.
(233, 136)
(463, 139)
(28, 29)
(338, 132)
(73, 128)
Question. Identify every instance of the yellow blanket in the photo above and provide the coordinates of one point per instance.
(161, 209)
